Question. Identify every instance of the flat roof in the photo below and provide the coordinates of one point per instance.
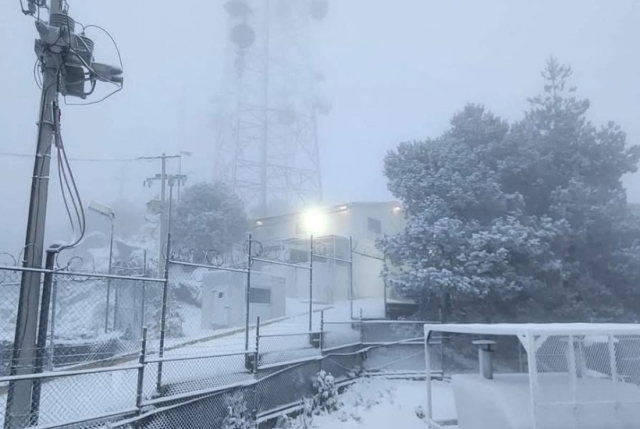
(537, 328)
(327, 208)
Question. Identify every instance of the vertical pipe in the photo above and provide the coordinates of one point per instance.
(115, 299)
(321, 331)
(163, 214)
(361, 328)
(143, 317)
(41, 343)
(257, 355)
(351, 276)
(384, 285)
(54, 300)
(247, 296)
(311, 284)
(141, 361)
(427, 361)
(533, 376)
(163, 320)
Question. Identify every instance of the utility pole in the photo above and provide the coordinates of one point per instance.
(65, 59)
(24, 351)
(162, 177)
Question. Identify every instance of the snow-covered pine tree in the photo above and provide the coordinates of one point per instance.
(326, 393)
(523, 222)
(208, 219)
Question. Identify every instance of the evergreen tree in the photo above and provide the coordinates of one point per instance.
(523, 222)
(208, 219)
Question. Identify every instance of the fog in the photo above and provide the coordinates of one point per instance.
(395, 71)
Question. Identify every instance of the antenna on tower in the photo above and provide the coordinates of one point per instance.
(266, 148)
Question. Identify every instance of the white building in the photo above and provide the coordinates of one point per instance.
(224, 298)
(334, 228)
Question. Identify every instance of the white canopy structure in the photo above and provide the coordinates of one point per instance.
(577, 376)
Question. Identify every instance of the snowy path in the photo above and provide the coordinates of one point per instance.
(384, 404)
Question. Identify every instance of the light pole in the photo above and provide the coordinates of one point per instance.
(108, 212)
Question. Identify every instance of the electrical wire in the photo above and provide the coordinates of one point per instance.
(67, 180)
(35, 74)
(120, 86)
(105, 160)
(64, 196)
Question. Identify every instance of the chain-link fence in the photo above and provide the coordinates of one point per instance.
(10, 290)
(95, 368)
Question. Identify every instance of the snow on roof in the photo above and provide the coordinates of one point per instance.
(537, 328)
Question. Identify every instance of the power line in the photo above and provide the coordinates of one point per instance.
(24, 155)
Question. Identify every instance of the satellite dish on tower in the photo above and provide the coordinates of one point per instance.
(237, 8)
(243, 35)
(318, 9)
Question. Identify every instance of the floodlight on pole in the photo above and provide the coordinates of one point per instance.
(108, 212)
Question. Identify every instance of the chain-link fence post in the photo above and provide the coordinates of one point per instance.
(247, 296)
(52, 330)
(143, 308)
(310, 284)
(257, 355)
(321, 331)
(163, 321)
(351, 277)
(43, 326)
(361, 328)
(141, 361)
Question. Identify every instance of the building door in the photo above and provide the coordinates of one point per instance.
(221, 306)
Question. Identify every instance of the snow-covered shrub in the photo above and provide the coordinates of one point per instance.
(326, 393)
(238, 414)
(304, 420)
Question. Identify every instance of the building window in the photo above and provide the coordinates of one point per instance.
(374, 225)
(259, 296)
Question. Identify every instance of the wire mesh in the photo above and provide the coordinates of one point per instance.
(585, 381)
(84, 330)
(81, 396)
(374, 332)
(288, 347)
(205, 412)
(10, 290)
(193, 374)
(340, 334)
(286, 387)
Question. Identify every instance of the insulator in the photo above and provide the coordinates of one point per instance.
(62, 20)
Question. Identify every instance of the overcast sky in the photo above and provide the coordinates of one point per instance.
(396, 70)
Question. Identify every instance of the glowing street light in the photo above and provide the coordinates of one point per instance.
(314, 221)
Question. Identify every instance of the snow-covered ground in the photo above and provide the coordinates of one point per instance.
(384, 404)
